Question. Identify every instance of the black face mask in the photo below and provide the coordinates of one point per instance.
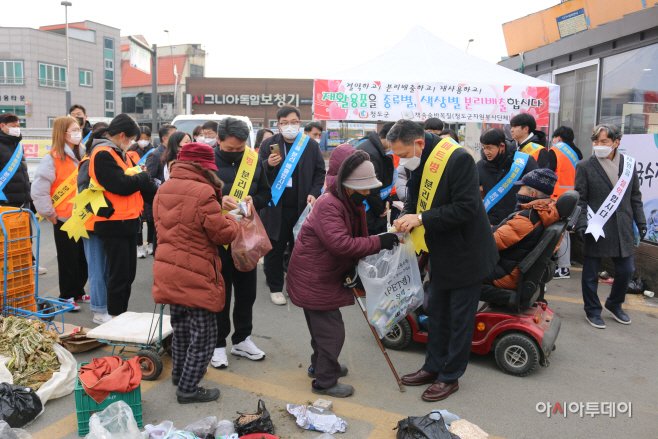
(358, 198)
(231, 157)
(81, 121)
(523, 199)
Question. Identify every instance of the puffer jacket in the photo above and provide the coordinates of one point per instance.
(518, 235)
(17, 189)
(331, 241)
(190, 225)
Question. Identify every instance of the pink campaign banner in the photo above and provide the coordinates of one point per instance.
(391, 101)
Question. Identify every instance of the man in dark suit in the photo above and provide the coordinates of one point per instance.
(302, 188)
(461, 247)
(612, 209)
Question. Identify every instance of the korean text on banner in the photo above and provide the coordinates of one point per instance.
(390, 101)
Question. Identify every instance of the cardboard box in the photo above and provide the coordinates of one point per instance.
(75, 340)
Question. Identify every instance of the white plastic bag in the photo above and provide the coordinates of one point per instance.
(6, 432)
(316, 419)
(203, 427)
(301, 220)
(115, 422)
(393, 285)
(224, 428)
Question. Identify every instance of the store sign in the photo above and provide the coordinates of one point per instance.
(35, 149)
(140, 58)
(644, 149)
(572, 23)
(14, 98)
(251, 100)
(391, 101)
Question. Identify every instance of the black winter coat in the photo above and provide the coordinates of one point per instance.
(384, 169)
(17, 189)
(310, 172)
(154, 165)
(491, 173)
(457, 231)
(227, 172)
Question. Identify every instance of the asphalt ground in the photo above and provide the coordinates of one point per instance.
(617, 364)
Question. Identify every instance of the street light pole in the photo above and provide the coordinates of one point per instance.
(68, 58)
(469, 43)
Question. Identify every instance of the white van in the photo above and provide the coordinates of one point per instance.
(187, 123)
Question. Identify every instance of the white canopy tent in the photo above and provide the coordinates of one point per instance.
(422, 57)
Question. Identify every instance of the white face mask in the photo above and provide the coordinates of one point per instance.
(411, 163)
(14, 131)
(200, 139)
(602, 151)
(75, 137)
(143, 143)
(290, 131)
(210, 142)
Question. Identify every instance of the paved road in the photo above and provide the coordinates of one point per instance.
(617, 364)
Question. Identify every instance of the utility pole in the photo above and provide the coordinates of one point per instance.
(68, 58)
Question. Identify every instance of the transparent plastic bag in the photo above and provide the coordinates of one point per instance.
(115, 422)
(160, 431)
(393, 285)
(6, 432)
(301, 220)
(203, 426)
(251, 243)
(224, 428)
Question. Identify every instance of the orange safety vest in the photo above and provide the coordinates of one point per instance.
(125, 207)
(63, 170)
(396, 163)
(134, 156)
(566, 173)
(532, 149)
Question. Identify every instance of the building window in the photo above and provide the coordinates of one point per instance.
(109, 64)
(196, 71)
(51, 121)
(85, 78)
(18, 110)
(52, 76)
(108, 54)
(11, 73)
(629, 95)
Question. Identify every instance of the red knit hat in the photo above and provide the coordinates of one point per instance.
(200, 153)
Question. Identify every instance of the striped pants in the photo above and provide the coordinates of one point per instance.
(195, 335)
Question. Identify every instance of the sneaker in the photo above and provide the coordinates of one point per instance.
(76, 307)
(201, 395)
(100, 318)
(43, 270)
(219, 359)
(85, 299)
(619, 315)
(248, 349)
(595, 321)
(562, 273)
(343, 371)
(149, 249)
(278, 298)
(141, 252)
(337, 391)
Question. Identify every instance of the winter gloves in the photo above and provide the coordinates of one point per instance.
(388, 240)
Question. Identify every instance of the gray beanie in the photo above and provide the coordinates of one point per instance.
(356, 172)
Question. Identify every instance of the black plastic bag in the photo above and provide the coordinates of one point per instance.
(18, 405)
(636, 286)
(261, 424)
(423, 428)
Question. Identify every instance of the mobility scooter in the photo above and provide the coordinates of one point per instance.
(523, 333)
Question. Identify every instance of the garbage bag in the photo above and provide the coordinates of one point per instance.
(393, 285)
(251, 243)
(203, 426)
(423, 428)
(18, 405)
(259, 422)
(224, 428)
(300, 221)
(636, 286)
(115, 422)
(6, 432)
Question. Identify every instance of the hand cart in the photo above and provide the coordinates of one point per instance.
(137, 331)
(20, 280)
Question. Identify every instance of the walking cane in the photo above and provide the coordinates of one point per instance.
(379, 342)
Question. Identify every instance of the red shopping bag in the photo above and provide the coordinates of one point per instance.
(251, 243)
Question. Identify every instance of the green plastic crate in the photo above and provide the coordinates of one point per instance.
(85, 406)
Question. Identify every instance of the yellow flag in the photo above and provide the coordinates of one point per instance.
(432, 173)
(92, 196)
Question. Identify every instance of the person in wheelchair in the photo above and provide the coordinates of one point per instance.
(518, 234)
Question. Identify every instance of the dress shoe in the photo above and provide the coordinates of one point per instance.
(439, 391)
(418, 378)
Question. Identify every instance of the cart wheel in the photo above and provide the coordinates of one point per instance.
(399, 337)
(151, 364)
(517, 354)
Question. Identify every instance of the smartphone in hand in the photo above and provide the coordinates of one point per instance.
(274, 149)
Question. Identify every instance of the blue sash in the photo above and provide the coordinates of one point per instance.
(288, 167)
(10, 170)
(84, 141)
(570, 153)
(504, 185)
(384, 193)
(143, 159)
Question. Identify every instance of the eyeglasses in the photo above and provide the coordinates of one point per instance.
(285, 123)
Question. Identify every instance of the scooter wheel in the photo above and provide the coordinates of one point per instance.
(399, 337)
(150, 363)
(517, 354)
